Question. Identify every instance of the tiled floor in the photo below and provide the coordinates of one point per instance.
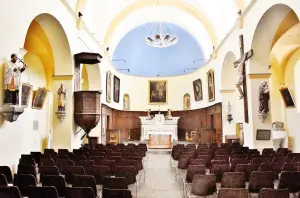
(160, 178)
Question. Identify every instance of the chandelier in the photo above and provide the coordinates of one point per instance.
(161, 36)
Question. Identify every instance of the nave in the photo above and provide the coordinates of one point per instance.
(116, 171)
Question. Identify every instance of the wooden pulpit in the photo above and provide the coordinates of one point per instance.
(231, 139)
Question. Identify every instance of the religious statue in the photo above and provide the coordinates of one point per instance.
(62, 97)
(240, 79)
(12, 79)
(169, 115)
(264, 97)
(149, 113)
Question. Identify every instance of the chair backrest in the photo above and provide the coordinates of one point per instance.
(290, 180)
(128, 172)
(259, 180)
(247, 169)
(110, 163)
(3, 180)
(47, 170)
(116, 193)
(233, 180)
(273, 193)
(23, 182)
(203, 185)
(43, 192)
(79, 192)
(219, 170)
(70, 171)
(57, 181)
(27, 169)
(232, 193)
(237, 161)
(99, 172)
(193, 170)
(10, 192)
(197, 162)
(85, 181)
(115, 183)
(5, 170)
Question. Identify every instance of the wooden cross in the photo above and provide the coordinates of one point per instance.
(249, 54)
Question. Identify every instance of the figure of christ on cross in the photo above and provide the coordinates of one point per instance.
(241, 81)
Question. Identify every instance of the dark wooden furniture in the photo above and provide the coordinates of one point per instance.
(87, 109)
(93, 141)
(231, 139)
(207, 136)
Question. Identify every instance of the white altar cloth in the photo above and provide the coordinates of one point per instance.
(280, 139)
(158, 125)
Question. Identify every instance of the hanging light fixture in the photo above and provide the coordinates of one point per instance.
(161, 35)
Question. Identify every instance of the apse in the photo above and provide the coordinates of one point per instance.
(133, 56)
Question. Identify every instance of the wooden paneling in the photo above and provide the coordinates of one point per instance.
(192, 120)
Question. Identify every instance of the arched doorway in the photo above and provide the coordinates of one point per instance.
(275, 22)
(50, 64)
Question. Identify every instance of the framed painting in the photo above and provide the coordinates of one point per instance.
(158, 92)
(287, 97)
(26, 92)
(116, 89)
(39, 98)
(108, 86)
(126, 102)
(211, 85)
(198, 94)
(186, 101)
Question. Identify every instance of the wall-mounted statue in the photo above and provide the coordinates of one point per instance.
(264, 97)
(61, 102)
(62, 97)
(12, 79)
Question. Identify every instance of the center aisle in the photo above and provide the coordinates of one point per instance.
(160, 178)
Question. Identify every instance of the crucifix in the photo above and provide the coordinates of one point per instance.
(241, 81)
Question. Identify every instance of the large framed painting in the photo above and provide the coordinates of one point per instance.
(39, 98)
(126, 102)
(287, 97)
(158, 92)
(186, 101)
(25, 95)
(211, 85)
(198, 94)
(116, 89)
(108, 86)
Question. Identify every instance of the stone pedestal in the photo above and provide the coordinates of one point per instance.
(11, 112)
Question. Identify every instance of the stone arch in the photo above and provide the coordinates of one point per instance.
(264, 35)
(58, 42)
(229, 73)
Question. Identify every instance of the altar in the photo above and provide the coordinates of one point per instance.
(159, 128)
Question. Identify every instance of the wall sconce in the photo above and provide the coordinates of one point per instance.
(61, 102)
(229, 115)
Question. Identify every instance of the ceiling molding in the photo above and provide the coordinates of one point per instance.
(177, 4)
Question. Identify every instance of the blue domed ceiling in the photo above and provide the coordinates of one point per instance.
(144, 60)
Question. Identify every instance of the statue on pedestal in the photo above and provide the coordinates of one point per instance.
(62, 97)
(264, 97)
(149, 113)
(169, 115)
(12, 80)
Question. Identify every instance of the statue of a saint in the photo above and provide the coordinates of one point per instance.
(149, 113)
(169, 115)
(62, 97)
(240, 69)
(264, 96)
(12, 80)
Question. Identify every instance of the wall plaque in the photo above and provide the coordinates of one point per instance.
(262, 134)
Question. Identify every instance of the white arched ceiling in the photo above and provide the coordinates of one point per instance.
(98, 15)
(166, 14)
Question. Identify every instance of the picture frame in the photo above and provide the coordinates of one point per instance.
(198, 91)
(25, 95)
(116, 89)
(186, 101)
(263, 134)
(287, 97)
(108, 86)
(126, 102)
(158, 92)
(39, 98)
(211, 85)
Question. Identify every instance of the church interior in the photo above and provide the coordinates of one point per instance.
(150, 98)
